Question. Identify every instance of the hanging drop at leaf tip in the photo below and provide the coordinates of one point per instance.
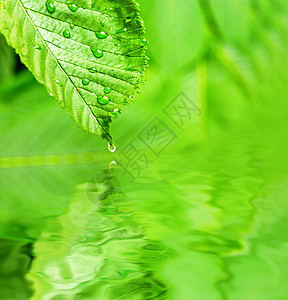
(111, 147)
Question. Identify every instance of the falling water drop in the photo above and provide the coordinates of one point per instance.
(97, 52)
(101, 35)
(50, 6)
(112, 165)
(73, 7)
(111, 147)
(66, 34)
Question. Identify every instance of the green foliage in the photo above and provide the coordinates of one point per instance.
(90, 56)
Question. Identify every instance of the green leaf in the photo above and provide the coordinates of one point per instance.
(90, 56)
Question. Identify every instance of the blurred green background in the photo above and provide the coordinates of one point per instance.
(193, 210)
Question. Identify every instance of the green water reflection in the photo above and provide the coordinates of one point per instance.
(206, 223)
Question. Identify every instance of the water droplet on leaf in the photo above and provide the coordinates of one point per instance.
(92, 70)
(101, 35)
(131, 98)
(37, 47)
(71, 26)
(107, 90)
(97, 52)
(103, 100)
(50, 6)
(119, 109)
(66, 34)
(58, 82)
(85, 81)
(143, 42)
(73, 7)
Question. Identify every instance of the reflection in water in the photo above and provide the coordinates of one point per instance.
(222, 214)
(97, 249)
(202, 230)
(15, 259)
